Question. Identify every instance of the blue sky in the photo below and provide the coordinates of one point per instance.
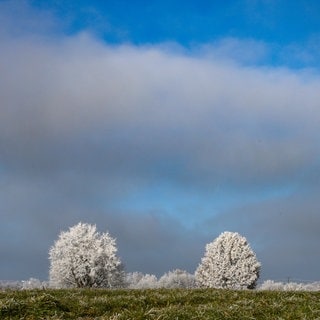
(278, 25)
(165, 123)
(280, 22)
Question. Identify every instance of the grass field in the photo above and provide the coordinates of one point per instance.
(158, 304)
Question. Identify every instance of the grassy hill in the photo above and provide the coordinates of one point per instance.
(158, 304)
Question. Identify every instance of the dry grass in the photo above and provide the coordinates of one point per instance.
(158, 304)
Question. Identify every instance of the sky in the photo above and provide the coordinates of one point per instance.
(165, 123)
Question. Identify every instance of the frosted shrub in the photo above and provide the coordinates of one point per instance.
(82, 257)
(138, 280)
(271, 285)
(312, 286)
(10, 284)
(33, 283)
(177, 279)
(229, 262)
(289, 286)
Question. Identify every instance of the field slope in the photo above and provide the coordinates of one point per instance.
(158, 304)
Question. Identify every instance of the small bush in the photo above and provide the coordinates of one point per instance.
(289, 286)
(177, 279)
(33, 283)
(138, 280)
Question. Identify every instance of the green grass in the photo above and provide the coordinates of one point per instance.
(158, 304)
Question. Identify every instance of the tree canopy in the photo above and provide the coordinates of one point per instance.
(229, 262)
(82, 257)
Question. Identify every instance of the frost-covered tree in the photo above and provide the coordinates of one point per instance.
(177, 279)
(82, 257)
(229, 262)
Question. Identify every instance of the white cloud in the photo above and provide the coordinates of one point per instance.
(18, 18)
(244, 51)
(147, 106)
